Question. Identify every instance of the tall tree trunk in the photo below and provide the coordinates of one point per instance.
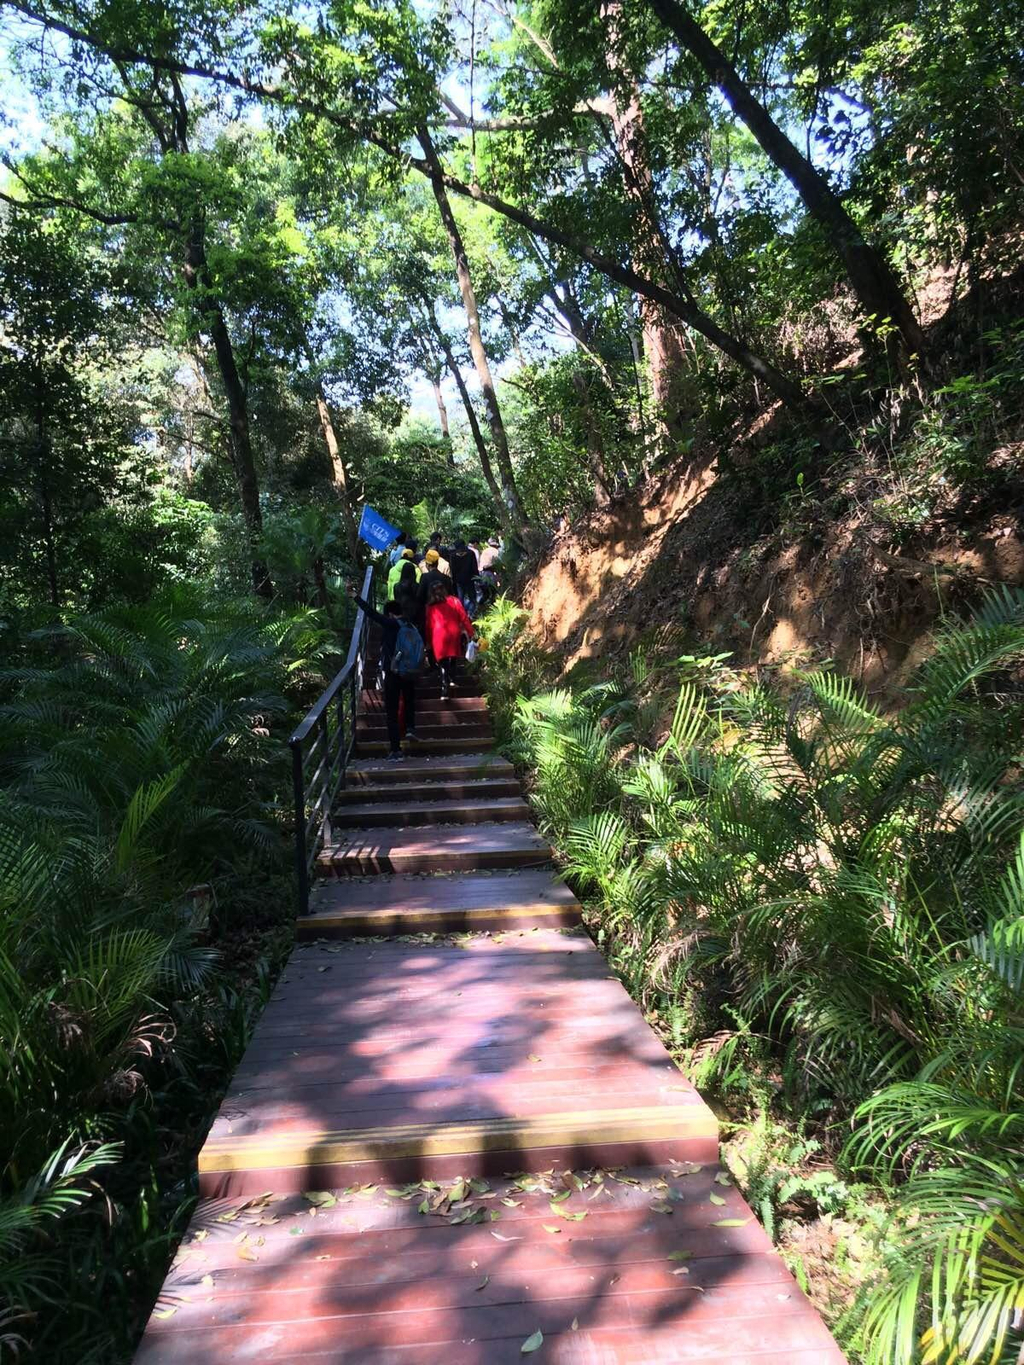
(189, 453)
(476, 343)
(339, 475)
(434, 370)
(500, 503)
(197, 277)
(873, 279)
(664, 345)
(442, 413)
(323, 597)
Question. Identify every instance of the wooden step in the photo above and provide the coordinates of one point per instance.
(387, 906)
(422, 767)
(407, 813)
(462, 686)
(373, 1281)
(369, 728)
(433, 723)
(388, 1061)
(434, 849)
(373, 704)
(431, 691)
(472, 744)
(451, 789)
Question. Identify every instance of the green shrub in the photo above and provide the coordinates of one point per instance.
(846, 890)
(143, 765)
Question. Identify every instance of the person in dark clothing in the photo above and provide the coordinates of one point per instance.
(463, 566)
(431, 575)
(407, 586)
(485, 591)
(399, 688)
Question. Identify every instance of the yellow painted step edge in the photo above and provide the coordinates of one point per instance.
(552, 1130)
(351, 917)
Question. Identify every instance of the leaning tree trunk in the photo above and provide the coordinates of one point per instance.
(873, 279)
(442, 413)
(476, 343)
(434, 371)
(197, 277)
(339, 475)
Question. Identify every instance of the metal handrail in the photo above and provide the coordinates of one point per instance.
(333, 728)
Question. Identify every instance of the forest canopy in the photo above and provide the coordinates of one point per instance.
(593, 233)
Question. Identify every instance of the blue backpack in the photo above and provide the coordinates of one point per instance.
(409, 651)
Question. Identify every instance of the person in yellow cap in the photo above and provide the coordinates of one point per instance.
(435, 559)
(435, 570)
(396, 570)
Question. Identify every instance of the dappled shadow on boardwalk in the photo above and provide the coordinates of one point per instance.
(424, 1036)
(397, 1060)
(371, 1280)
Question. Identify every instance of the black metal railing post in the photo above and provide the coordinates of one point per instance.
(343, 739)
(325, 733)
(299, 795)
(314, 796)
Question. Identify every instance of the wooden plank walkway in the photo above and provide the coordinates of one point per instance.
(430, 904)
(388, 1061)
(369, 1279)
(442, 1146)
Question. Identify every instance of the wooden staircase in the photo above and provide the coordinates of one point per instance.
(453, 1132)
(447, 808)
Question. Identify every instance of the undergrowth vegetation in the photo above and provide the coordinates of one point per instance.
(823, 906)
(143, 765)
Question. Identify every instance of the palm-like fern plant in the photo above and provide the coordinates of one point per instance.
(136, 752)
(27, 1274)
(849, 885)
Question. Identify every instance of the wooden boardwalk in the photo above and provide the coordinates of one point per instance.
(453, 1139)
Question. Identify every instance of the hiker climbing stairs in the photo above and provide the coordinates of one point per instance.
(453, 1139)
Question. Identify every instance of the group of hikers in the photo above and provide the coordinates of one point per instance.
(432, 598)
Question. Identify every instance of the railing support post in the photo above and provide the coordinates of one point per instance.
(325, 731)
(299, 794)
(333, 756)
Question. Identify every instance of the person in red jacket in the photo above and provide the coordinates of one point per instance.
(447, 623)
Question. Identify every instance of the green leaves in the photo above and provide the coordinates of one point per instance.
(145, 802)
(854, 883)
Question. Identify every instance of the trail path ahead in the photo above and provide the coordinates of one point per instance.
(453, 1139)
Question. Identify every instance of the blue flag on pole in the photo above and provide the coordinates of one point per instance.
(377, 532)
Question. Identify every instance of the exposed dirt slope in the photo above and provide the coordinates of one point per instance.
(701, 552)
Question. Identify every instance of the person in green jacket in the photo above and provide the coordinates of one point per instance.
(395, 571)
